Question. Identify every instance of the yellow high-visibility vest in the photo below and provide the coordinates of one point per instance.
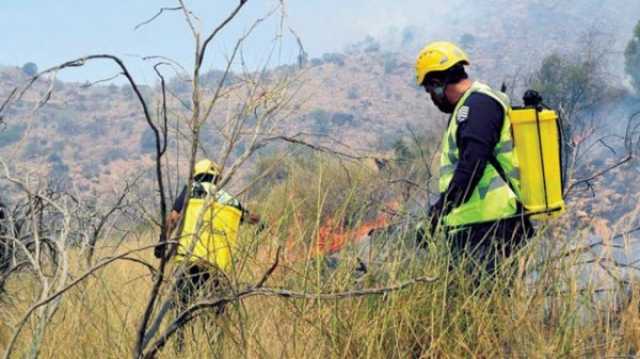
(493, 198)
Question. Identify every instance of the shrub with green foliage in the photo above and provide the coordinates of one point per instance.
(334, 58)
(316, 61)
(402, 153)
(321, 186)
(632, 58)
(324, 121)
(353, 93)
(467, 41)
(114, 154)
(30, 69)
(390, 63)
(12, 134)
(342, 119)
(573, 84)
(148, 141)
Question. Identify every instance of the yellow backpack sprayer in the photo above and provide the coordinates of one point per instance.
(537, 136)
(215, 238)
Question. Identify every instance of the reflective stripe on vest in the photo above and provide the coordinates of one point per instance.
(493, 198)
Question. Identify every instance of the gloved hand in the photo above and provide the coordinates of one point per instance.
(425, 231)
(161, 248)
(261, 227)
(435, 212)
(253, 218)
(429, 225)
(421, 235)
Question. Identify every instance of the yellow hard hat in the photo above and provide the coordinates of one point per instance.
(438, 56)
(206, 167)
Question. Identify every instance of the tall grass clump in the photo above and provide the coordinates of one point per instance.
(547, 300)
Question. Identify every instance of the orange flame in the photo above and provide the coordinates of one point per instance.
(333, 237)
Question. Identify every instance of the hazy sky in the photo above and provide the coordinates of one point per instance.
(49, 32)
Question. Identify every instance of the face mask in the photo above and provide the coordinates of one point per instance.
(439, 99)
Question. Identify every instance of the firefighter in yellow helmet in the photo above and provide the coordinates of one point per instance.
(205, 257)
(206, 175)
(479, 204)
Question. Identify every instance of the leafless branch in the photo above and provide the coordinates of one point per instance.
(103, 219)
(295, 140)
(626, 233)
(174, 64)
(269, 272)
(410, 183)
(227, 69)
(601, 141)
(6, 101)
(631, 140)
(157, 15)
(302, 54)
(150, 267)
(165, 121)
(66, 288)
(81, 62)
(252, 291)
(159, 177)
(598, 174)
(187, 15)
(89, 84)
(218, 28)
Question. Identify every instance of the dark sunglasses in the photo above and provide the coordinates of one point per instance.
(205, 177)
(431, 84)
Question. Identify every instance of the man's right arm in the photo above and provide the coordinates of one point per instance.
(170, 223)
(172, 220)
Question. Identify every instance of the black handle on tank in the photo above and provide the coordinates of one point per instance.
(532, 98)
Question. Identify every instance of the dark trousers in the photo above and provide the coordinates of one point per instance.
(486, 243)
(196, 282)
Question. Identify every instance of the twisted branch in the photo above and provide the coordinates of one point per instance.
(157, 15)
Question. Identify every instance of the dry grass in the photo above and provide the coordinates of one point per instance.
(536, 305)
(511, 315)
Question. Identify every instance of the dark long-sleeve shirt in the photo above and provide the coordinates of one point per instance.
(478, 133)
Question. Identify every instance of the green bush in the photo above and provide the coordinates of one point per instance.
(30, 69)
(342, 119)
(353, 93)
(467, 41)
(334, 58)
(390, 63)
(148, 141)
(632, 58)
(12, 134)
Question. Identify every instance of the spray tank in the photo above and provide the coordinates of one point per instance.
(537, 136)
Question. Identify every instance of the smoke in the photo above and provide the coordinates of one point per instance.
(539, 26)
(506, 40)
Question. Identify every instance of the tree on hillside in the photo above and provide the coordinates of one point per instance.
(30, 69)
(572, 84)
(632, 58)
(577, 85)
(467, 41)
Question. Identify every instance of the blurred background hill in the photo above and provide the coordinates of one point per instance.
(363, 96)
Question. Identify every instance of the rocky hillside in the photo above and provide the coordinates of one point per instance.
(364, 97)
